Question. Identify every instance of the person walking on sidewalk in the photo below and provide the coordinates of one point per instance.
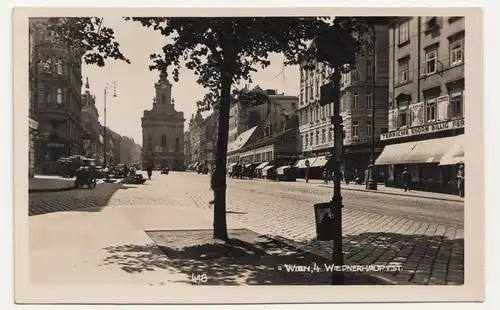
(150, 171)
(461, 180)
(406, 176)
(326, 175)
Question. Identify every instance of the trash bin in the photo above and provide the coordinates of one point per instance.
(324, 221)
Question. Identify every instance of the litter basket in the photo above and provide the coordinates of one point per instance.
(324, 221)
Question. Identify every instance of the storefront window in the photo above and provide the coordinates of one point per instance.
(323, 136)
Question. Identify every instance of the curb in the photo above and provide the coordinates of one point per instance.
(397, 194)
(51, 190)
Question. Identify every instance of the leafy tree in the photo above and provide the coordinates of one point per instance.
(83, 37)
(222, 52)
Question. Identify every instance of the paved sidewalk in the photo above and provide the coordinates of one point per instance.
(107, 246)
(50, 183)
(382, 189)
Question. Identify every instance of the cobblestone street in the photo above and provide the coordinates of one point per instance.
(425, 236)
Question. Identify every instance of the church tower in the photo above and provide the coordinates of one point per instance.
(163, 130)
(163, 91)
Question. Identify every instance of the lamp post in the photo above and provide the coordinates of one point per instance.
(105, 128)
(372, 177)
(328, 52)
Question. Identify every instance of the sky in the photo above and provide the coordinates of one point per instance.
(135, 83)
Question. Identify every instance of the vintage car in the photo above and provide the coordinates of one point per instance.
(85, 175)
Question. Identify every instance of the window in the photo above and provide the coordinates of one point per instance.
(355, 129)
(355, 74)
(369, 128)
(431, 62)
(369, 100)
(355, 101)
(59, 67)
(404, 32)
(307, 140)
(307, 92)
(403, 67)
(330, 134)
(177, 145)
(430, 108)
(163, 141)
(317, 137)
(59, 96)
(323, 136)
(312, 114)
(306, 116)
(402, 115)
(456, 103)
(317, 113)
(294, 105)
(456, 52)
(301, 97)
(311, 139)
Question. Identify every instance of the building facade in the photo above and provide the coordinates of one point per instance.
(58, 84)
(356, 99)
(426, 112)
(93, 141)
(33, 124)
(130, 151)
(187, 149)
(163, 130)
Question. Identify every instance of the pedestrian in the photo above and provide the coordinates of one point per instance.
(347, 177)
(325, 175)
(125, 170)
(150, 171)
(461, 180)
(406, 176)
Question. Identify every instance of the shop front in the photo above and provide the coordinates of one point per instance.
(432, 160)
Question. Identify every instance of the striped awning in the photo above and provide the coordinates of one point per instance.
(261, 166)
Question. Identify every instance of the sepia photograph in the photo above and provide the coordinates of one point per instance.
(216, 155)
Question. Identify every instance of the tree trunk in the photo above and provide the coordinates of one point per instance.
(220, 223)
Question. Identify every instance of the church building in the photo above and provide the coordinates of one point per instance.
(163, 130)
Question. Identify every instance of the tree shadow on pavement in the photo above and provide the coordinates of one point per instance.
(246, 259)
(85, 200)
(423, 259)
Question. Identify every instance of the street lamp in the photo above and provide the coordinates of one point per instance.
(335, 47)
(105, 128)
(372, 177)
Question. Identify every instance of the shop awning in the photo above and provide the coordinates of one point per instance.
(267, 168)
(456, 154)
(395, 153)
(261, 166)
(429, 151)
(302, 163)
(281, 170)
(320, 161)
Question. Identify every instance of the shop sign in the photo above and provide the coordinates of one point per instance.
(289, 156)
(357, 140)
(55, 145)
(33, 124)
(436, 127)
